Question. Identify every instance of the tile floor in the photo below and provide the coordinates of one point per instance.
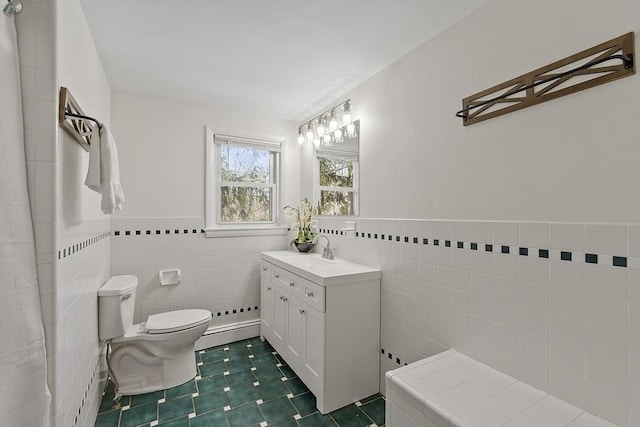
(242, 384)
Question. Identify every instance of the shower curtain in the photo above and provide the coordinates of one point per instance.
(24, 396)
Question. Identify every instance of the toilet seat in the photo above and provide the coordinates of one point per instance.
(178, 320)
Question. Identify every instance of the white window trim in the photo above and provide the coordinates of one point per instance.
(317, 188)
(212, 228)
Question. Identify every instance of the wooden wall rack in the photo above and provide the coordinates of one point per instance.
(73, 120)
(593, 66)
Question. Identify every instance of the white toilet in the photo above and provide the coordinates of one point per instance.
(149, 356)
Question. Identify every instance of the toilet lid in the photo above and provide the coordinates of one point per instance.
(178, 320)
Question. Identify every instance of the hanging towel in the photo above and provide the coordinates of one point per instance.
(103, 175)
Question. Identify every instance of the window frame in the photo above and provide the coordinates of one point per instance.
(317, 188)
(214, 227)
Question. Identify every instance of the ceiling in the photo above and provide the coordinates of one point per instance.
(289, 58)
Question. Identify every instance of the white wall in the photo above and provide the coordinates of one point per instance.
(560, 176)
(162, 152)
(572, 159)
(162, 165)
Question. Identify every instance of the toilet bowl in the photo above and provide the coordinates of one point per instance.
(152, 355)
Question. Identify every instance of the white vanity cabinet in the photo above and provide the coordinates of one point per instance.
(323, 318)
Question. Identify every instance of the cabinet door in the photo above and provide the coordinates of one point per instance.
(279, 318)
(313, 339)
(266, 308)
(293, 339)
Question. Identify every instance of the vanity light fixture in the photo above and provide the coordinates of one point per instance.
(309, 133)
(346, 115)
(326, 129)
(351, 130)
(320, 127)
(337, 135)
(333, 121)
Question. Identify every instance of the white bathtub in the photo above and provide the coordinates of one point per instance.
(450, 389)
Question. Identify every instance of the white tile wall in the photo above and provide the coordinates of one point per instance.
(67, 283)
(78, 351)
(218, 274)
(566, 327)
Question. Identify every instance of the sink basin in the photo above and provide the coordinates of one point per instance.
(311, 260)
(319, 270)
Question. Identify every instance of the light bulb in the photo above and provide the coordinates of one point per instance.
(309, 133)
(320, 128)
(326, 139)
(337, 135)
(351, 130)
(333, 121)
(301, 139)
(346, 115)
(316, 142)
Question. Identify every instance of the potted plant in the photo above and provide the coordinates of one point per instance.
(302, 221)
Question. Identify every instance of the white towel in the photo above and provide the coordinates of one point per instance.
(103, 175)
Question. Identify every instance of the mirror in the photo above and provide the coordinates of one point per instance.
(336, 175)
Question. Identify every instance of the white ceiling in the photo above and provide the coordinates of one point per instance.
(288, 57)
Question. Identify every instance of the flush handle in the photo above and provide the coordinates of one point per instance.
(284, 299)
(310, 294)
(277, 276)
(264, 268)
(125, 297)
(268, 288)
(302, 311)
(292, 284)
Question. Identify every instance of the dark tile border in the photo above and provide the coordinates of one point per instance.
(157, 231)
(589, 258)
(74, 249)
(390, 357)
(231, 311)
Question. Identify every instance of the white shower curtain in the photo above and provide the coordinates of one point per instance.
(24, 396)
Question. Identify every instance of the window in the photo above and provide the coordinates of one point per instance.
(242, 181)
(336, 183)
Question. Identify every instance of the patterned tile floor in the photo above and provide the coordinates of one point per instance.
(242, 384)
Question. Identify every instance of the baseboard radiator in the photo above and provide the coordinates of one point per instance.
(225, 334)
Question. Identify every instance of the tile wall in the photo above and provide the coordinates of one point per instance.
(556, 305)
(82, 265)
(218, 274)
(72, 249)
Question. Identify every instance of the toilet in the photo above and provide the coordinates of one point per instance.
(152, 355)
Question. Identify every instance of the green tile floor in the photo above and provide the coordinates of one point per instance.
(242, 384)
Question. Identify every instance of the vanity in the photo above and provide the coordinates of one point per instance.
(323, 317)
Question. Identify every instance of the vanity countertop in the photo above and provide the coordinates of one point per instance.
(325, 272)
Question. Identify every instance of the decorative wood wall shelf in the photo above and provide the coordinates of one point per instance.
(592, 67)
(73, 120)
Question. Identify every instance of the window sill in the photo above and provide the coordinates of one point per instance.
(245, 231)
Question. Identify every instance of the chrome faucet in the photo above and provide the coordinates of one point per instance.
(327, 252)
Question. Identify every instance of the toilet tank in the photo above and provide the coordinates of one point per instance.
(116, 302)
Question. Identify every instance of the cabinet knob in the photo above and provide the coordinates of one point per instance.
(284, 299)
(302, 311)
(268, 288)
(277, 276)
(310, 294)
(264, 268)
(292, 284)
